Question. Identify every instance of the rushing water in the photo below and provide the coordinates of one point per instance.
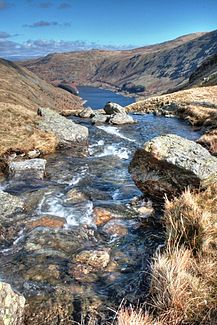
(42, 260)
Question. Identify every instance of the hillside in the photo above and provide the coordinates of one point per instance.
(205, 74)
(158, 67)
(21, 93)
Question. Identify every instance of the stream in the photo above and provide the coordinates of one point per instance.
(50, 264)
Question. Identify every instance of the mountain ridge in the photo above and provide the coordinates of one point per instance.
(158, 67)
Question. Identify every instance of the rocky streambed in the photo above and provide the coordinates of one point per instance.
(79, 241)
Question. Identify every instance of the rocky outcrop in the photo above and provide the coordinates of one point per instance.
(168, 164)
(27, 169)
(11, 306)
(70, 135)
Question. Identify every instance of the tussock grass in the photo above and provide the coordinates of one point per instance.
(128, 316)
(190, 221)
(183, 288)
(19, 132)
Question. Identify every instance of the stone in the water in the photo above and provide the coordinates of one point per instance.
(86, 113)
(168, 164)
(52, 308)
(27, 169)
(74, 196)
(47, 221)
(70, 135)
(11, 306)
(114, 108)
(119, 119)
(82, 272)
(101, 216)
(40, 272)
(100, 119)
(98, 259)
(10, 204)
(116, 228)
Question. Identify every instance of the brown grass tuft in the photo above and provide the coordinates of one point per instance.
(189, 221)
(180, 291)
(183, 289)
(18, 131)
(128, 316)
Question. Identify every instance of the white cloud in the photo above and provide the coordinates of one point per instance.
(31, 48)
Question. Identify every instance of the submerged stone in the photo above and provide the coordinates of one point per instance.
(101, 216)
(74, 196)
(116, 228)
(168, 164)
(46, 221)
(98, 259)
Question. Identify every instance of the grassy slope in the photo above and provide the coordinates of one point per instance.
(21, 93)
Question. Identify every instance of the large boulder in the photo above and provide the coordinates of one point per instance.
(119, 119)
(11, 306)
(70, 135)
(27, 169)
(113, 108)
(168, 164)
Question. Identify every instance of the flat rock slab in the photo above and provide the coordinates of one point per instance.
(9, 204)
(11, 306)
(70, 135)
(27, 169)
(168, 164)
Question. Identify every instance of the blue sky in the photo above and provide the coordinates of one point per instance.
(37, 27)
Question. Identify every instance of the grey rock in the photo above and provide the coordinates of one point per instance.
(100, 119)
(69, 134)
(168, 164)
(29, 168)
(86, 113)
(10, 204)
(11, 306)
(113, 108)
(119, 119)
